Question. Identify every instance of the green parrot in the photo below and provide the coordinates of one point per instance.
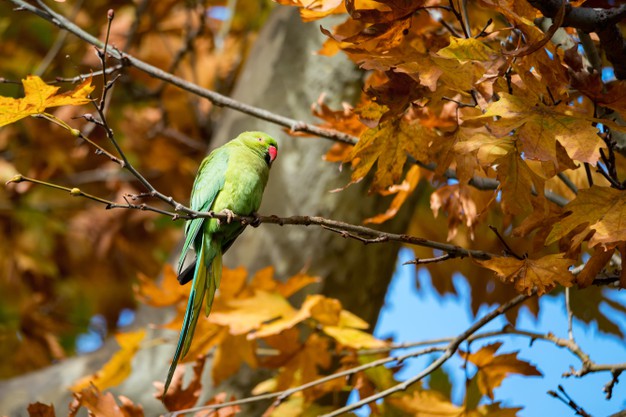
(231, 180)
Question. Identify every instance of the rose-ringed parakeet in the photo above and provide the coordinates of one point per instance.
(231, 180)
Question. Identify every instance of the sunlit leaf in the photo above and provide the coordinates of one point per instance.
(38, 96)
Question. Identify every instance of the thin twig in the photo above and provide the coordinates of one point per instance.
(567, 400)
(450, 350)
(507, 248)
(216, 98)
(418, 261)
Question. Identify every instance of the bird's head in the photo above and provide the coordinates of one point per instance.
(261, 142)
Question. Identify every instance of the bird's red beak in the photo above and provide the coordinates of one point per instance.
(273, 152)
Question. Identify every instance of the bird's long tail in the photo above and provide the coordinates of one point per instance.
(206, 280)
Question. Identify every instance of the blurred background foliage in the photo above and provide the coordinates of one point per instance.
(68, 262)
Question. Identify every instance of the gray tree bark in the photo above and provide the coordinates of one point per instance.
(283, 75)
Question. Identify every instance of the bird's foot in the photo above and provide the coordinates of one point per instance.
(256, 220)
(229, 216)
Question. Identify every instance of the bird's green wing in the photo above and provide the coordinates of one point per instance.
(209, 182)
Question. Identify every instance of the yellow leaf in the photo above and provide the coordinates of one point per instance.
(347, 319)
(230, 354)
(466, 49)
(543, 273)
(117, 369)
(601, 210)
(354, 338)
(247, 314)
(38, 96)
(421, 403)
(492, 368)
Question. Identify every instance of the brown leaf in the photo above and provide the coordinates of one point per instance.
(39, 409)
(104, 404)
(177, 397)
(492, 368)
(593, 266)
(533, 119)
(463, 204)
(601, 211)
(543, 273)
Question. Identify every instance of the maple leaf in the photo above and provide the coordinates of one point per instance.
(517, 182)
(38, 96)
(602, 213)
(543, 273)
(177, 397)
(388, 145)
(104, 404)
(538, 125)
(492, 368)
(118, 368)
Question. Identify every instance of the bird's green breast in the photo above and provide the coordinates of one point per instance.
(245, 178)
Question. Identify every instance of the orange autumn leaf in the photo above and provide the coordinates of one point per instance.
(388, 145)
(168, 293)
(231, 353)
(517, 182)
(543, 273)
(601, 211)
(177, 397)
(538, 125)
(295, 283)
(104, 404)
(402, 192)
(492, 368)
(118, 368)
(38, 96)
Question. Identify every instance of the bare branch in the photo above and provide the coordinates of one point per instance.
(450, 350)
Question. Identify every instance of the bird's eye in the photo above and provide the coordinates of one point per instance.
(259, 139)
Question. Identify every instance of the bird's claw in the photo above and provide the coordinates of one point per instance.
(229, 216)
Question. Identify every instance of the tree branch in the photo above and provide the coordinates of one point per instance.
(589, 19)
(450, 350)
(218, 99)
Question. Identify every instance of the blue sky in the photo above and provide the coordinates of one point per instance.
(412, 316)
